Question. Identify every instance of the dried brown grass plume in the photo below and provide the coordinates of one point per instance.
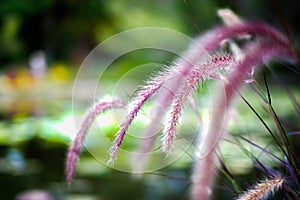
(263, 189)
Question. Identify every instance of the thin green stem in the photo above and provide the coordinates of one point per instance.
(265, 125)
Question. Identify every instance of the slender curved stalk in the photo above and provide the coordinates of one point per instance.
(76, 146)
(205, 168)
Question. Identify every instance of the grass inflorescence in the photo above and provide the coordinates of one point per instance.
(233, 65)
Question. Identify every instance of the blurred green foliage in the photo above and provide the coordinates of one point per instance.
(67, 30)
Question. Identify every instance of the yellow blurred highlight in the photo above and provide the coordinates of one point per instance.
(22, 94)
(20, 80)
(58, 72)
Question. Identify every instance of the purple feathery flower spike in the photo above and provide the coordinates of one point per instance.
(145, 92)
(170, 78)
(76, 146)
(198, 73)
(163, 101)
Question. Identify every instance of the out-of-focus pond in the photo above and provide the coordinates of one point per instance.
(36, 128)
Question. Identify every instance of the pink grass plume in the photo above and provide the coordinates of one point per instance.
(76, 146)
(209, 69)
